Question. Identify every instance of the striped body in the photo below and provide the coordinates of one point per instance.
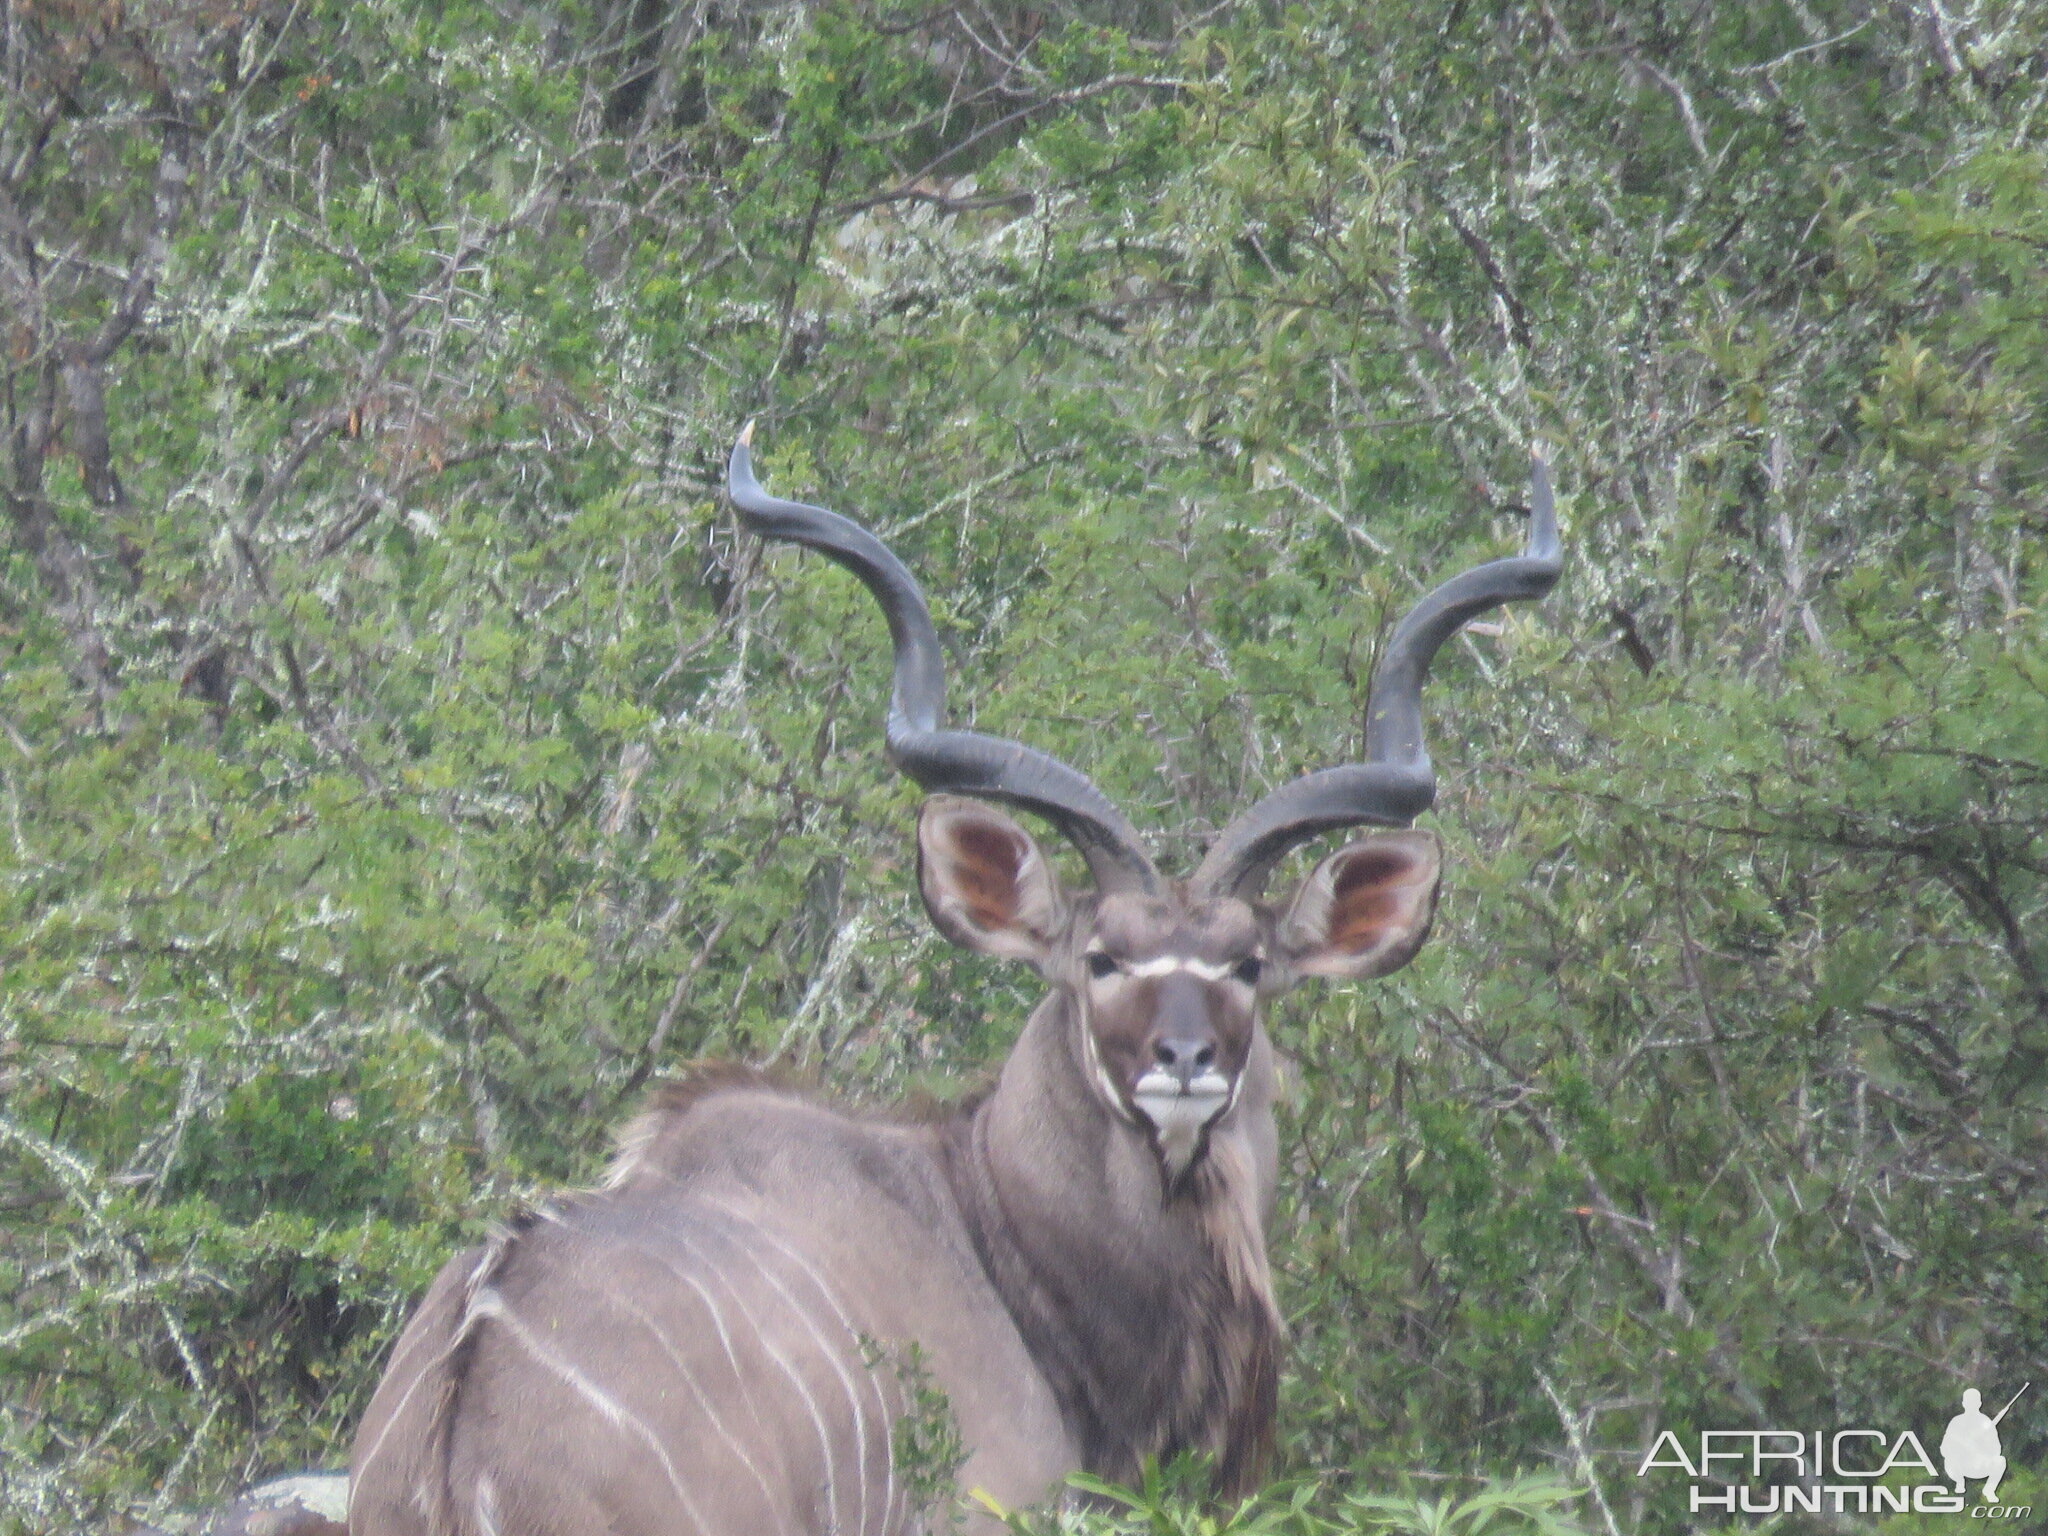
(727, 1337)
(719, 1342)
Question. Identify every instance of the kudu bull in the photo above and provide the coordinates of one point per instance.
(716, 1341)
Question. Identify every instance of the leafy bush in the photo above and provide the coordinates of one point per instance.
(403, 758)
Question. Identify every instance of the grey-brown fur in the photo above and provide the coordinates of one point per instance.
(718, 1340)
(712, 1341)
(1090, 1333)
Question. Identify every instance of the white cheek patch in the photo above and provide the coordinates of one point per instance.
(1178, 1119)
(1103, 1081)
(1166, 965)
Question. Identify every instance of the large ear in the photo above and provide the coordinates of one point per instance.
(985, 883)
(1366, 910)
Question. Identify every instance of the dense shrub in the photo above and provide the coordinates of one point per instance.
(402, 758)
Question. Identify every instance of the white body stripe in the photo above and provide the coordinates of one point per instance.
(810, 1272)
(490, 1304)
(732, 1359)
(397, 1414)
(703, 1400)
(795, 1380)
(831, 1354)
(364, 1461)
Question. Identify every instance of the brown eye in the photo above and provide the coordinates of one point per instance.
(1101, 965)
(1248, 970)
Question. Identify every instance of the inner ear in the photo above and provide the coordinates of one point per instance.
(1367, 908)
(986, 884)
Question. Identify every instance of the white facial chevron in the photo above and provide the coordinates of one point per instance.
(1166, 965)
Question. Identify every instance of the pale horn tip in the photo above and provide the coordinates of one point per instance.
(747, 435)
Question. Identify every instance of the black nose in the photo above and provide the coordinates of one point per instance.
(1185, 1057)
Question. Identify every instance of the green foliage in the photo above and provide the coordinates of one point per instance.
(925, 1448)
(403, 758)
(1525, 1506)
(1172, 1502)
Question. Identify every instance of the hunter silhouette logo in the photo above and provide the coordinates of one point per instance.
(1779, 1471)
(1970, 1448)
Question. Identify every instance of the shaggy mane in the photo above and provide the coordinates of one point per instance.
(640, 1141)
(643, 1139)
(1218, 1391)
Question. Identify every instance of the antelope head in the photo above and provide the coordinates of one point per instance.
(1167, 979)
